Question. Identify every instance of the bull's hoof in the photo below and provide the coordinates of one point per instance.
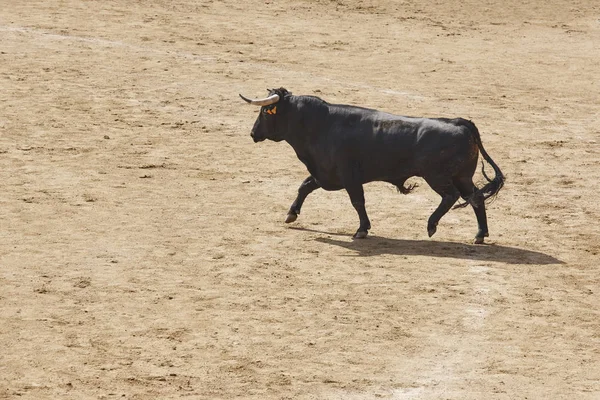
(290, 218)
(478, 240)
(431, 230)
(360, 235)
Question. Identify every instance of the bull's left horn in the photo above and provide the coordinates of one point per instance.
(272, 99)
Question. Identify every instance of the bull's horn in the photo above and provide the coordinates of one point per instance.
(272, 99)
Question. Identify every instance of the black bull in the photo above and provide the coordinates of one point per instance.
(344, 147)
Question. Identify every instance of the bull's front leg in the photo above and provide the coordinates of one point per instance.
(357, 197)
(307, 187)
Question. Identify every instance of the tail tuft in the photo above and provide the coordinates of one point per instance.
(488, 191)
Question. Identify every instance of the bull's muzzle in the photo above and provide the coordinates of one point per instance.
(256, 138)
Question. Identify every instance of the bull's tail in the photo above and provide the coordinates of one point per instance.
(493, 186)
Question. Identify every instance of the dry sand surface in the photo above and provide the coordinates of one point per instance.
(143, 253)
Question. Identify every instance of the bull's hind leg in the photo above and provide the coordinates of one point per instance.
(467, 191)
(307, 187)
(357, 197)
(449, 194)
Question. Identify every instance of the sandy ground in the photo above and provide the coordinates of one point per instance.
(143, 253)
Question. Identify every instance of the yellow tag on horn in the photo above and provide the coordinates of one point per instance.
(272, 111)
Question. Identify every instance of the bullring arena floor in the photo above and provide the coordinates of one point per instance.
(143, 253)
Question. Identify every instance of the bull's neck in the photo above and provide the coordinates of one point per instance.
(306, 147)
(302, 149)
(310, 117)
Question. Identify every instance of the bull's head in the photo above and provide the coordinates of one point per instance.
(270, 123)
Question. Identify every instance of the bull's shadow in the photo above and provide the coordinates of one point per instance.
(377, 245)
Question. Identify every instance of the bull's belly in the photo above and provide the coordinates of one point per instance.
(328, 181)
(333, 179)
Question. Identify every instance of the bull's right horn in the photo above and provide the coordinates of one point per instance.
(272, 99)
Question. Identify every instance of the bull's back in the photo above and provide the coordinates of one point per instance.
(388, 146)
